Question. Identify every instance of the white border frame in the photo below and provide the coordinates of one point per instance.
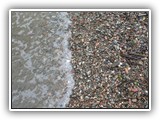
(55, 109)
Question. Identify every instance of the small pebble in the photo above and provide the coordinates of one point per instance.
(134, 100)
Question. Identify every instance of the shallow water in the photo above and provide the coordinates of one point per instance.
(41, 69)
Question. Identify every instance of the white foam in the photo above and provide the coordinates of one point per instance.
(20, 32)
(46, 59)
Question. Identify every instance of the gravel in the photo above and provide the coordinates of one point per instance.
(110, 59)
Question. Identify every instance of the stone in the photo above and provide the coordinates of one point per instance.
(134, 100)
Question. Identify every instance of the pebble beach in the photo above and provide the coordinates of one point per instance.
(110, 59)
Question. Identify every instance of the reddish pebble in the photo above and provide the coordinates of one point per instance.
(134, 89)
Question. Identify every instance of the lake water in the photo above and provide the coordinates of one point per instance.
(41, 69)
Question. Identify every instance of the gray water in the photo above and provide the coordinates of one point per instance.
(41, 69)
